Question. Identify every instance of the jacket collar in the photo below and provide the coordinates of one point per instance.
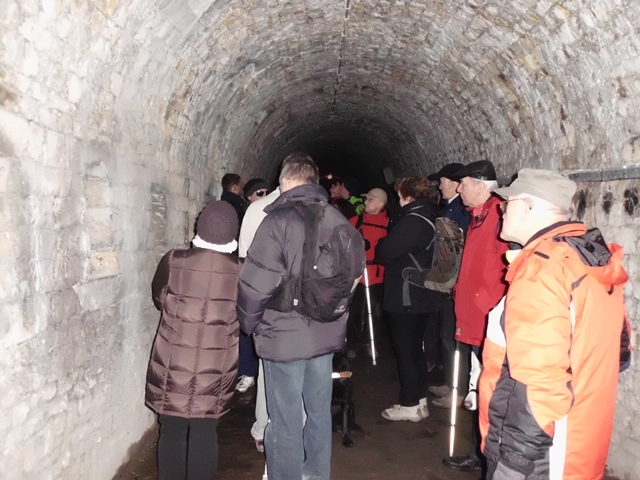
(226, 248)
(308, 193)
(232, 198)
(566, 229)
(415, 205)
(378, 216)
(483, 208)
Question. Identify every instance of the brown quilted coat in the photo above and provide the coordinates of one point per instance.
(194, 360)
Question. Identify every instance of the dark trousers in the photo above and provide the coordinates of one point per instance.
(407, 331)
(448, 343)
(431, 341)
(358, 322)
(187, 448)
(248, 360)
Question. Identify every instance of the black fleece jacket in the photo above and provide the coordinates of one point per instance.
(410, 234)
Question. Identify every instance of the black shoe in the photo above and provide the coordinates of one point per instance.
(462, 464)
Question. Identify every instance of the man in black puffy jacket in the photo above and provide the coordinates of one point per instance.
(296, 350)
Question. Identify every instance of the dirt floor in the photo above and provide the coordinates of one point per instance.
(389, 450)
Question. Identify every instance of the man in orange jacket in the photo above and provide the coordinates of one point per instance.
(554, 345)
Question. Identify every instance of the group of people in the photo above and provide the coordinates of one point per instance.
(537, 315)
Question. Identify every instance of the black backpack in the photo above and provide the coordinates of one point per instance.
(333, 261)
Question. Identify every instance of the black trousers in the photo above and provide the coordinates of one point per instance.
(431, 341)
(448, 343)
(358, 322)
(187, 448)
(407, 331)
(247, 358)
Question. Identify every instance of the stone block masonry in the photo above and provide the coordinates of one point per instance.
(118, 120)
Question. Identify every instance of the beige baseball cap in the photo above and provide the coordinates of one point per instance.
(545, 184)
(377, 194)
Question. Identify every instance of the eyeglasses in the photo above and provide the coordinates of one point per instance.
(261, 193)
(504, 203)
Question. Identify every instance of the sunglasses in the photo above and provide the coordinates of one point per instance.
(261, 193)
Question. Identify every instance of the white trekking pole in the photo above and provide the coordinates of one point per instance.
(454, 396)
(366, 289)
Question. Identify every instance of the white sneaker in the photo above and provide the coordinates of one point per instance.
(423, 408)
(398, 412)
(245, 383)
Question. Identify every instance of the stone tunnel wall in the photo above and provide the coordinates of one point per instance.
(98, 178)
(118, 119)
(614, 208)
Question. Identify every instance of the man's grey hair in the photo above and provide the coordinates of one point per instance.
(300, 167)
(490, 185)
(551, 208)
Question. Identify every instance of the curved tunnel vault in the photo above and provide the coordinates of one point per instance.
(118, 119)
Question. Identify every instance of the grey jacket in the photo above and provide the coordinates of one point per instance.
(275, 256)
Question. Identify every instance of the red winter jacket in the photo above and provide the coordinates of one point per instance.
(373, 228)
(481, 282)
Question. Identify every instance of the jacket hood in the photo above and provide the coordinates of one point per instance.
(613, 273)
(307, 193)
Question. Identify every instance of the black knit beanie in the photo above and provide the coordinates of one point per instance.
(217, 223)
(253, 186)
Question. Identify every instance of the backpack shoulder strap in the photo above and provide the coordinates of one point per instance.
(360, 221)
(435, 231)
(411, 256)
(414, 214)
(311, 216)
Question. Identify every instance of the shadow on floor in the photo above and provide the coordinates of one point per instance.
(391, 450)
(398, 450)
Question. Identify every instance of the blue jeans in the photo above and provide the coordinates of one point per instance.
(294, 450)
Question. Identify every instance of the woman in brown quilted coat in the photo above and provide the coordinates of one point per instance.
(194, 360)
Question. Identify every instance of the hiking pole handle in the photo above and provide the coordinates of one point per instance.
(366, 290)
